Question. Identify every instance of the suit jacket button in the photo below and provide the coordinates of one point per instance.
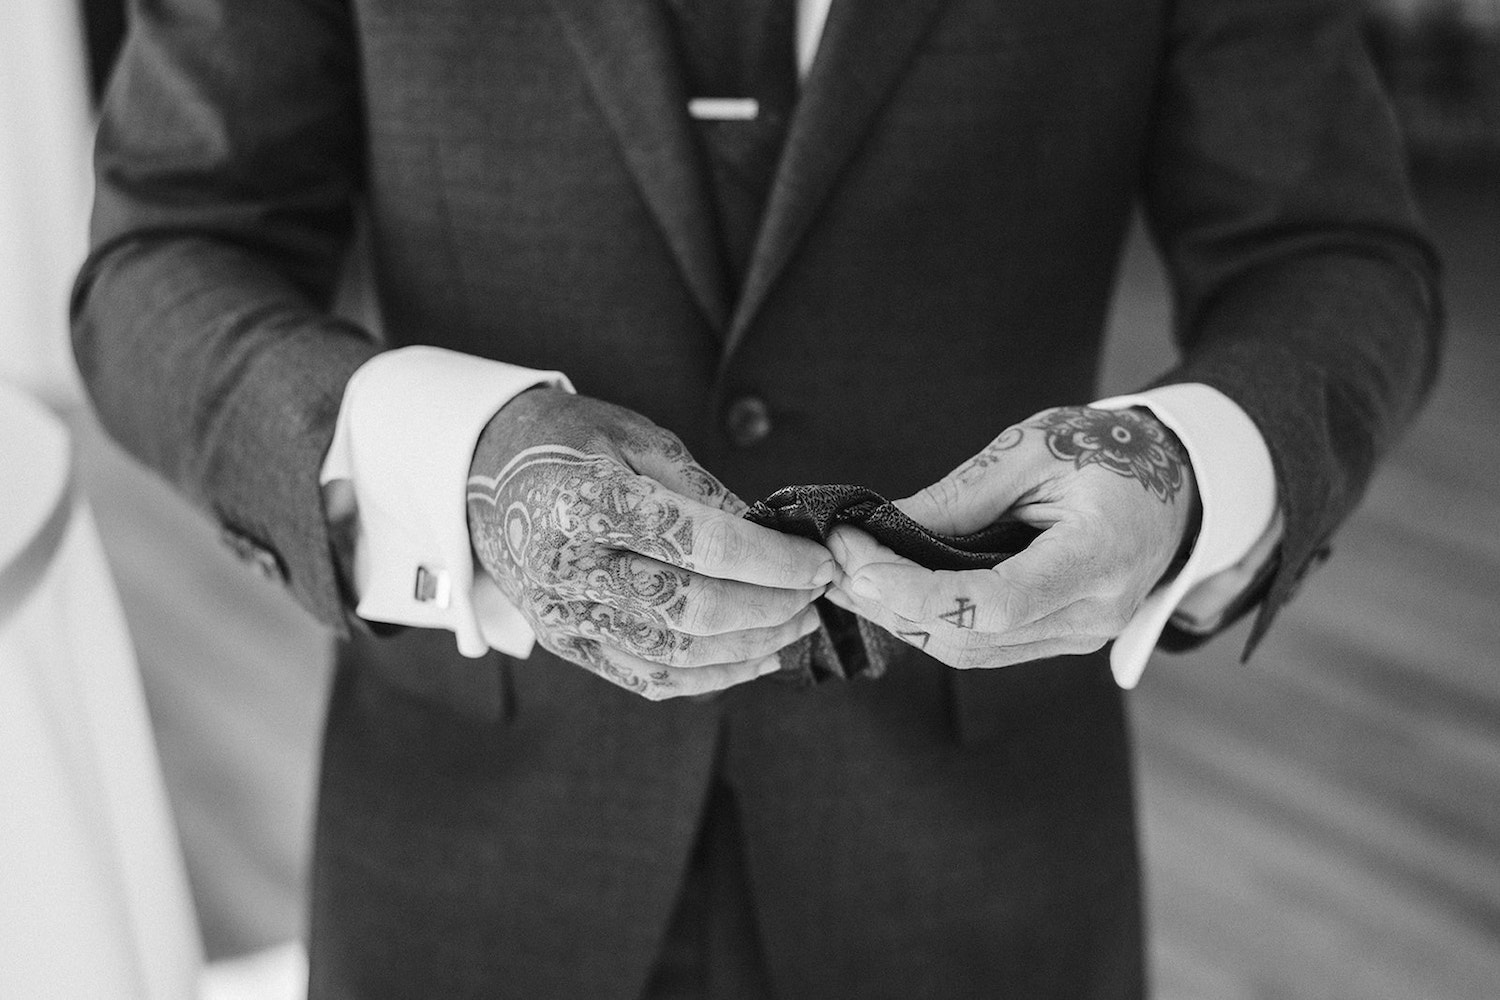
(264, 561)
(747, 421)
(268, 566)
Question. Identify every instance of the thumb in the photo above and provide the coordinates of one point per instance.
(974, 495)
(661, 455)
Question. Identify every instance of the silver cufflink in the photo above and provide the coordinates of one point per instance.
(431, 586)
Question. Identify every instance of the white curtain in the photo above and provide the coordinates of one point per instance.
(235, 673)
(93, 894)
(44, 190)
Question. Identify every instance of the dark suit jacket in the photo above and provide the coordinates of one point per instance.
(935, 263)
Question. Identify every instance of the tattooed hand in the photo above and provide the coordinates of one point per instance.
(626, 556)
(1113, 490)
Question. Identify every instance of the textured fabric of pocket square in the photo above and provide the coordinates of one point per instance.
(847, 645)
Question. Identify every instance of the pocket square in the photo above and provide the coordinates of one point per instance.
(853, 647)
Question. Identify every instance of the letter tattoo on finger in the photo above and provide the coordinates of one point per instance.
(962, 616)
(916, 637)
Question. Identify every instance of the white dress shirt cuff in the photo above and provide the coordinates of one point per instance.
(1237, 489)
(399, 464)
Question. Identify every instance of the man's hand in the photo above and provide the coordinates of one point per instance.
(626, 556)
(1114, 493)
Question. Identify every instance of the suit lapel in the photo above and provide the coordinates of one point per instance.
(626, 51)
(863, 51)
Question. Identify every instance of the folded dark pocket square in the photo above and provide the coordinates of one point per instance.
(849, 646)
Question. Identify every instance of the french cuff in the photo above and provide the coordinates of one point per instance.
(1237, 491)
(399, 466)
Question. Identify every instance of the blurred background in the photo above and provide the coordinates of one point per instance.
(1321, 822)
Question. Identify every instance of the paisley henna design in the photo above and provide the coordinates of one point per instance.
(581, 546)
(556, 516)
(645, 639)
(1121, 441)
(652, 590)
(700, 484)
(590, 653)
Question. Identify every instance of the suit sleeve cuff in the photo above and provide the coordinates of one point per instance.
(399, 466)
(1237, 491)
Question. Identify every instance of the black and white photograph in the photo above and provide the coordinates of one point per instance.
(750, 499)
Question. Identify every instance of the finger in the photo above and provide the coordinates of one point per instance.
(655, 643)
(912, 633)
(953, 507)
(853, 549)
(652, 680)
(678, 530)
(597, 501)
(749, 644)
(912, 593)
(1051, 573)
(652, 591)
(962, 650)
(1088, 623)
(715, 607)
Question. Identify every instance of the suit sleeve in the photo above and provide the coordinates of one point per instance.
(227, 161)
(1305, 289)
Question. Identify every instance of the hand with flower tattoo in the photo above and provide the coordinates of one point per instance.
(627, 557)
(1113, 491)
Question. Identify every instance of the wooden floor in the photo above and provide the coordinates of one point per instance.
(1325, 821)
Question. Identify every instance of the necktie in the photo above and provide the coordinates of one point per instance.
(740, 49)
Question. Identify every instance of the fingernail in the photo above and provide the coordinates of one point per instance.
(810, 622)
(836, 545)
(825, 573)
(769, 665)
(863, 586)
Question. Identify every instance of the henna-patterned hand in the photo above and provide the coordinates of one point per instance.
(626, 556)
(1113, 490)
